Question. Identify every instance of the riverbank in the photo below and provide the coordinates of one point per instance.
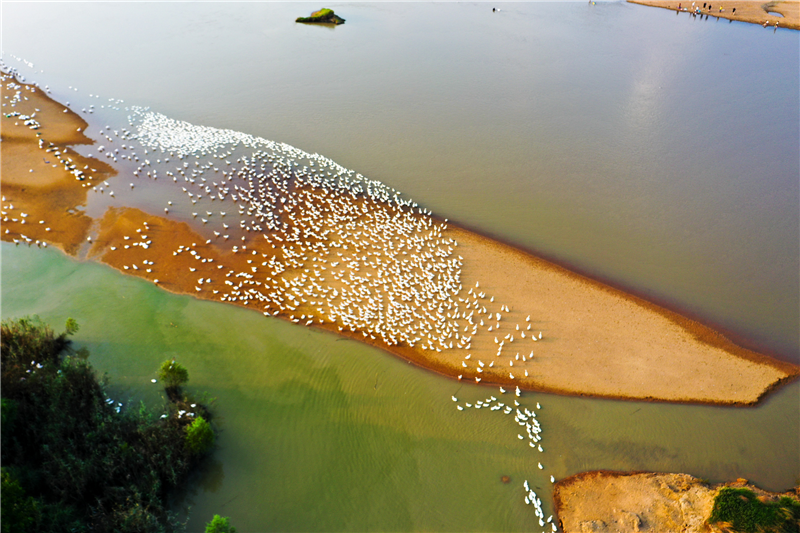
(784, 14)
(484, 312)
(642, 501)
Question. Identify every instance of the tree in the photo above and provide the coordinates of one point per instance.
(220, 524)
(173, 374)
(71, 327)
(18, 509)
(199, 436)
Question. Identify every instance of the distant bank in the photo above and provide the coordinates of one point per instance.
(783, 14)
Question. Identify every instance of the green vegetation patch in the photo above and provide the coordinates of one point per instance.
(220, 524)
(740, 510)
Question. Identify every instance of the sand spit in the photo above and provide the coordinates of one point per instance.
(40, 171)
(754, 12)
(263, 225)
(623, 502)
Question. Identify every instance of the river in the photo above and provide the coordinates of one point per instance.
(652, 151)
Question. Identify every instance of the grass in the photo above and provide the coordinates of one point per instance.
(740, 510)
(324, 12)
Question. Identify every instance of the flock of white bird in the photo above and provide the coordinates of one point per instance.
(323, 244)
(533, 434)
(340, 248)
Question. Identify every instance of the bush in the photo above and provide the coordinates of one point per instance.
(199, 436)
(173, 374)
(219, 524)
(70, 454)
(18, 509)
(742, 511)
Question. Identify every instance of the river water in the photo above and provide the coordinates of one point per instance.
(653, 151)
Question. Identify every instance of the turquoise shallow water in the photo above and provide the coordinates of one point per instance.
(646, 149)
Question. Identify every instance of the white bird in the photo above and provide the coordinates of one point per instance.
(540, 466)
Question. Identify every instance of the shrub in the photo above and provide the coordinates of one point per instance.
(173, 374)
(742, 511)
(199, 436)
(220, 524)
(18, 509)
(71, 460)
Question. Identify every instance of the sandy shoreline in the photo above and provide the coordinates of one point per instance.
(641, 501)
(762, 13)
(595, 340)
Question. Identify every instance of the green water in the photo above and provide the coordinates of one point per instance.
(323, 434)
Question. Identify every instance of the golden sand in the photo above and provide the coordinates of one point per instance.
(753, 12)
(643, 502)
(595, 340)
(37, 178)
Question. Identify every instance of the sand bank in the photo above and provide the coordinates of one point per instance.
(641, 501)
(39, 169)
(444, 298)
(764, 13)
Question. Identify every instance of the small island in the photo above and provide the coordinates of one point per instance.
(323, 16)
(649, 501)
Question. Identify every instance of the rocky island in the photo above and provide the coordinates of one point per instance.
(323, 16)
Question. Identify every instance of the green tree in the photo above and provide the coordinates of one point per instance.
(71, 327)
(18, 509)
(173, 374)
(220, 524)
(199, 436)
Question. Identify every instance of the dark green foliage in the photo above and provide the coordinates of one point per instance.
(173, 375)
(68, 452)
(199, 436)
(26, 345)
(741, 511)
(18, 509)
(220, 524)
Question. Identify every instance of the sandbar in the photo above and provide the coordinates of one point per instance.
(783, 13)
(514, 320)
(641, 501)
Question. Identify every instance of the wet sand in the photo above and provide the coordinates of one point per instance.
(754, 12)
(36, 173)
(595, 340)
